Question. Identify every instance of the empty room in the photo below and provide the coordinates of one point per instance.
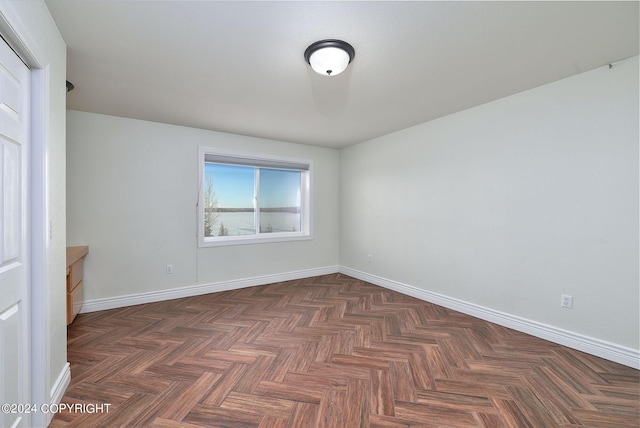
(320, 214)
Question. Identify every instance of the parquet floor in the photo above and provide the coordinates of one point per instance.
(330, 351)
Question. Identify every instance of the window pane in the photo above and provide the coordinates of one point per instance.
(279, 200)
(229, 200)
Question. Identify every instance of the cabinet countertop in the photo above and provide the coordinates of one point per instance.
(76, 253)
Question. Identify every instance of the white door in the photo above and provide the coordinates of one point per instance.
(15, 337)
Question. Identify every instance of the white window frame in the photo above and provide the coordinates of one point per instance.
(257, 161)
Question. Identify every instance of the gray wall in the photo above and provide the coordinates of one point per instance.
(132, 193)
(510, 204)
(506, 206)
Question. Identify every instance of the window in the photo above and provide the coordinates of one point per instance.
(247, 198)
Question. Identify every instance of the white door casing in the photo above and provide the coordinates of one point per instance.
(15, 333)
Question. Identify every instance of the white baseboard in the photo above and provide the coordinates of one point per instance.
(609, 351)
(197, 290)
(58, 389)
(62, 382)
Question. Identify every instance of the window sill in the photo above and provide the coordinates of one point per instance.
(222, 241)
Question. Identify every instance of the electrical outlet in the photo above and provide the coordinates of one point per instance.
(567, 301)
(169, 269)
(369, 258)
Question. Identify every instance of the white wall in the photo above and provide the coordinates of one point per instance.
(132, 190)
(510, 204)
(34, 30)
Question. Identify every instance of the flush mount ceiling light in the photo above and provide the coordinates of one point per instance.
(329, 57)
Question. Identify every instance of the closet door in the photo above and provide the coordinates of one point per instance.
(15, 336)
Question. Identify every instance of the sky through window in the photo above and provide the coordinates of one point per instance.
(234, 186)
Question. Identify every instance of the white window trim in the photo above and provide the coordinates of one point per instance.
(306, 222)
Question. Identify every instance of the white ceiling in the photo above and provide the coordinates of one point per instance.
(238, 66)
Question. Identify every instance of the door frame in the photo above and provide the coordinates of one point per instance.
(39, 218)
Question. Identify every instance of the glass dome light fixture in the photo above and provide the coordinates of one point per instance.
(329, 57)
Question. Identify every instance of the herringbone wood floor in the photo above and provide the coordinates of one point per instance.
(330, 351)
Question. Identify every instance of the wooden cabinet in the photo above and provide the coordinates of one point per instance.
(75, 286)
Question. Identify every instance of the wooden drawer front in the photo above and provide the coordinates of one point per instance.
(75, 275)
(74, 302)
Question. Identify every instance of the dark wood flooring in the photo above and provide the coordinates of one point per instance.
(330, 351)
